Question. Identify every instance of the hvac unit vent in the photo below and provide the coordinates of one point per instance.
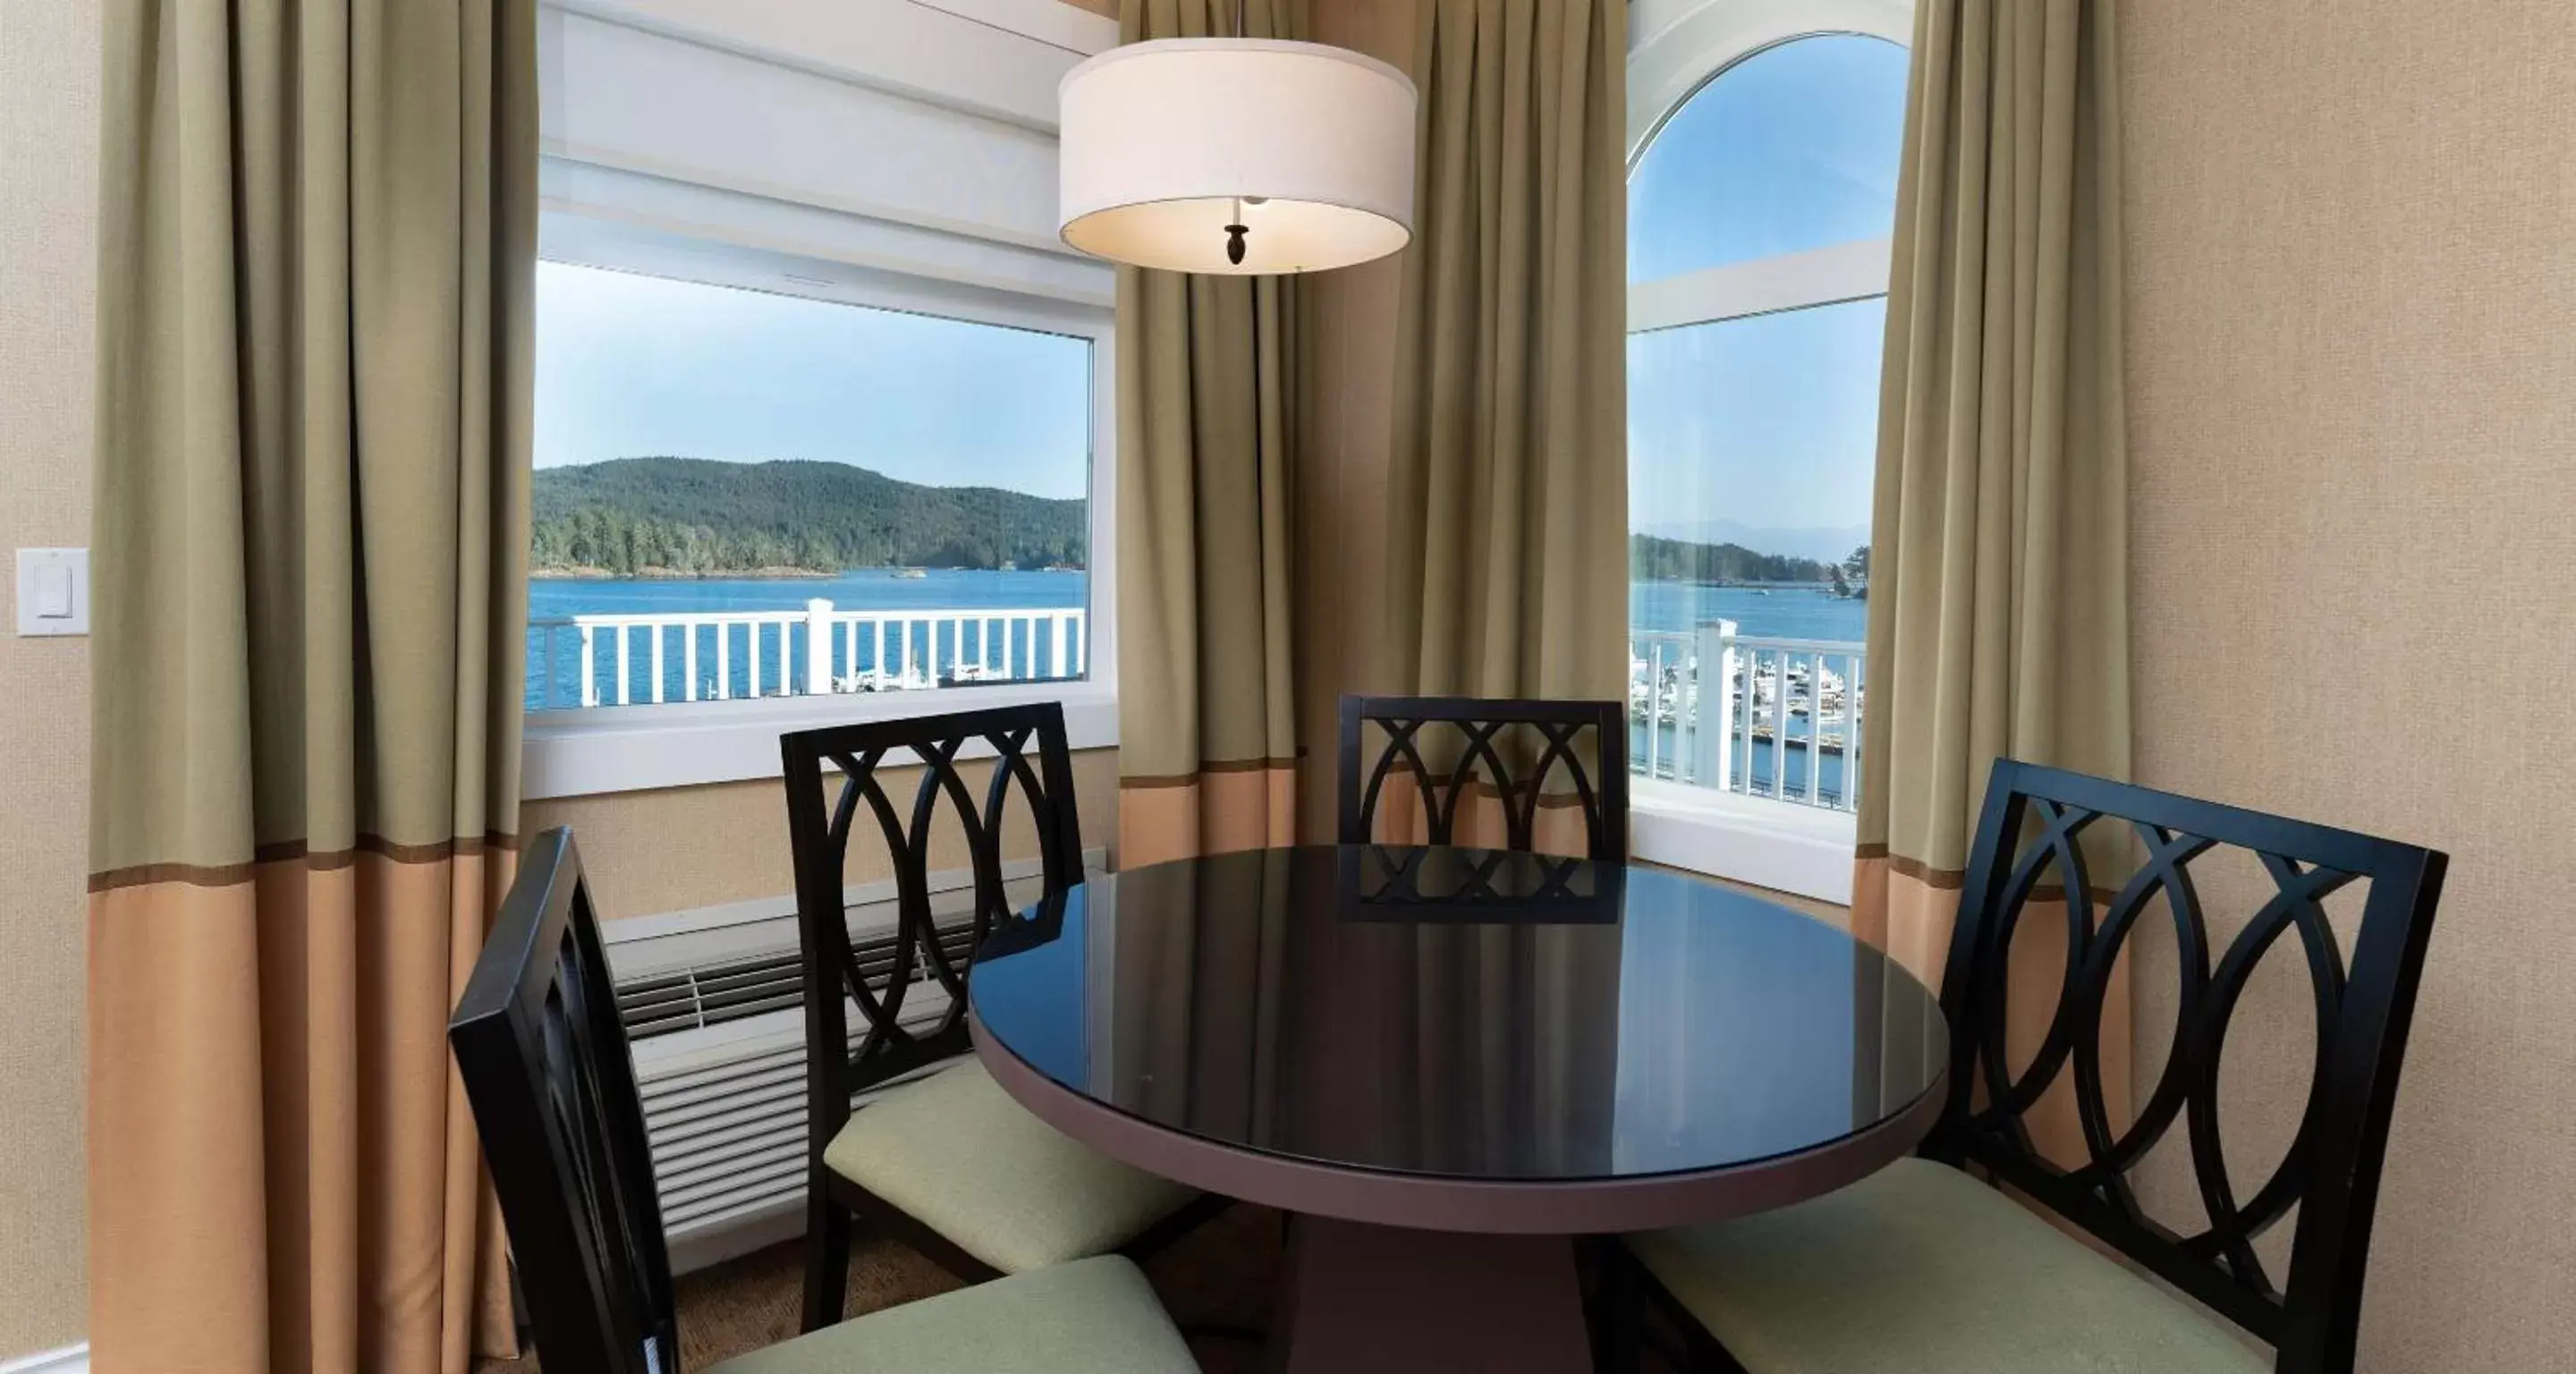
(713, 1003)
(711, 995)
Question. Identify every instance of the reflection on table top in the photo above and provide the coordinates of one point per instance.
(1460, 1013)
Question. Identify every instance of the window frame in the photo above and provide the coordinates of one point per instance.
(1780, 845)
(581, 751)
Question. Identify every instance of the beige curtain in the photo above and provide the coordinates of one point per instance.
(1507, 514)
(1998, 595)
(317, 245)
(1207, 722)
(1507, 519)
(1507, 562)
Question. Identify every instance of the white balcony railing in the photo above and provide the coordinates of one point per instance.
(628, 659)
(1760, 717)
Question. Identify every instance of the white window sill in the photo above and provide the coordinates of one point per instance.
(640, 748)
(1779, 845)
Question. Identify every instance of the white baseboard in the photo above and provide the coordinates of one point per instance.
(737, 1237)
(71, 1359)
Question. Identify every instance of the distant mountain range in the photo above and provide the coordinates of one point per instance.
(1825, 544)
(694, 516)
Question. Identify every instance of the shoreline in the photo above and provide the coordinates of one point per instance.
(590, 574)
(675, 575)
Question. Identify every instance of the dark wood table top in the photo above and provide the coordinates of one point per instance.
(1478, 1040)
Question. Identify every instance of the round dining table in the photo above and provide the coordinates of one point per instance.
(1446, 1063)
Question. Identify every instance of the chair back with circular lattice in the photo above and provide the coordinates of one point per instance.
(1029, 760)
(2031, 854)
(1524, 754)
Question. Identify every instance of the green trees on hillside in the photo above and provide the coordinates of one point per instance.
(692, 516)
(1652, 558)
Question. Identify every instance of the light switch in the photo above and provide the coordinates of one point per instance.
(53, 591)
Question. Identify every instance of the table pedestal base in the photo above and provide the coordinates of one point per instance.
(1364, 1298)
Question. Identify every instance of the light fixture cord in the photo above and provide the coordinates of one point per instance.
(1236, 232)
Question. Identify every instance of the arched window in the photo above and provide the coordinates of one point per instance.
(1761, 197)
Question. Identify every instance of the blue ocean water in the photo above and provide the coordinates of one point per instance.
(1780, 612)
(554, 682)
(871, 589)
(1788, 612)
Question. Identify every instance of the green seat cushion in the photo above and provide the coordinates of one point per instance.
(1092, 1315)
(954, 1152)
(1920, 1269)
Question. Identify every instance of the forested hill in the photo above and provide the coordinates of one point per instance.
(695, 516)
(1654, 559)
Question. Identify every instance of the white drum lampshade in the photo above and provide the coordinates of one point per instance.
(1236, 155)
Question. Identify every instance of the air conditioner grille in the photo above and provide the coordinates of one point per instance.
(712, 994)
(719, 1048)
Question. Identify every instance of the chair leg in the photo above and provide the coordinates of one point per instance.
(1630, 1295)
(827, 1254)
(1619, 1313)
(1704, 1355)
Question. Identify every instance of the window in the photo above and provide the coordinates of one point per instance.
(1759, 217)
(770, 489)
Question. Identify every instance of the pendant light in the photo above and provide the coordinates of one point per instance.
(1236, 156)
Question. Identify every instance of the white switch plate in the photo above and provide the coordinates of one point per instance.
(53, 591)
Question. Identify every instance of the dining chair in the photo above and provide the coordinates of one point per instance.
(544, 1061)
(1923, 1268)
(943, 1160)
(1510, 747)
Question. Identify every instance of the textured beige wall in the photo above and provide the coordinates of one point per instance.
(2353, 394)
(646, 853)
(48, 197)
(2353, 425)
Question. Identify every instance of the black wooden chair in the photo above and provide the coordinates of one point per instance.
(947, 1162)
(1511, 746)
(545, 1066)
(1923, 1269)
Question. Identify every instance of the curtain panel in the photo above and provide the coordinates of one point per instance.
(1507, 526)
(1998, 597)
(1207, 712)
(317, 249)
(1507, 494)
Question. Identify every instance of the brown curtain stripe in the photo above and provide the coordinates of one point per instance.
(1207, 766)
(1952, 879)
(1207, 708)
(317, 253)
(224, 875)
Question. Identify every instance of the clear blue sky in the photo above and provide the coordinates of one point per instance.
(632, 365)
(1769, 422)
(1766, 422)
